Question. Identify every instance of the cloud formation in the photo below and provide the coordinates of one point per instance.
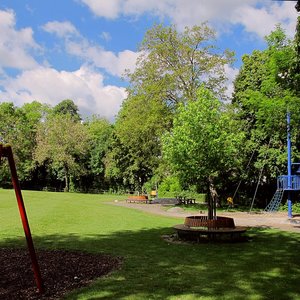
(16, 46)
(96, 55)
(35, 81)
(61, 29)
(24, 78)
(251, 14)
(84, 86)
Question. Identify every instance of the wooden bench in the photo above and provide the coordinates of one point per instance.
(220, 234)
(197, 228)
(139, 198)
(186, 201)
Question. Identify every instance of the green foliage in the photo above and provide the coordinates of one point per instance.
(67, 107)
(18, 128)
(61, 141)
(169, 71)
(153, 268)
(174, 64)
(205, 141)
(170, 185)
(210, 141)
(265, 90)
(100, 132)
(135, 153)
(296, 207)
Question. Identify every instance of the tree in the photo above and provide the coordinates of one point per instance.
(295, 63)
(67, 107)
(100, 133)
(204, 144)
(138, 130)
(61, 142)
(264, 90)
(169, 71)
(173, 65)
(18, 127)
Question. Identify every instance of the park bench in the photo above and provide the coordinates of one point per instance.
(186, 201)
(138, 199)
(197, 228)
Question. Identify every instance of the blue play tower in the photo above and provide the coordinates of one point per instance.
(289, 182)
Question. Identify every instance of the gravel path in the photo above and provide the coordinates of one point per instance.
(277, 220)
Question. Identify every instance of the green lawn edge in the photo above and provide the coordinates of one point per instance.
(266, 267)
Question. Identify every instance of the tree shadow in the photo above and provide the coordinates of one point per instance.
(267, 267)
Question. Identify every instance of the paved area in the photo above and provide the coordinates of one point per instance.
(277, 220)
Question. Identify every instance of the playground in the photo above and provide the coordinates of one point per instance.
(276, 220)
(89, 246)
(112, 247)
(143, 264)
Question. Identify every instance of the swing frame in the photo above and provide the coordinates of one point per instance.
(6, 151)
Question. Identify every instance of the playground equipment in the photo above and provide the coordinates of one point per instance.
(6, 151)
(289, 182)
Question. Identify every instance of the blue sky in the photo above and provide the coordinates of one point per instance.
(52, 50)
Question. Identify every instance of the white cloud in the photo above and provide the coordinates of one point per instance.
(15, 45)
(231, 73)
(263, 20)
(257, 16)
(77, 45)
(84, 86)
(114, 64)
(103, 8)
(61, 29)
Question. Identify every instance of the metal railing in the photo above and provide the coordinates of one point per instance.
(283, 182)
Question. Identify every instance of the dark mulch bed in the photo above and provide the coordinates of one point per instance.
(62, 271)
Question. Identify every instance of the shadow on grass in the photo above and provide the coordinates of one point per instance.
(266, 267)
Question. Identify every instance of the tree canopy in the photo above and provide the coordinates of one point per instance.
(205, 142)
(171, 68)
(61, 141)
(174, 129)
(174, 64)
(265, 90)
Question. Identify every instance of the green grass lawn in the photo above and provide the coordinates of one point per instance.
(267, 267)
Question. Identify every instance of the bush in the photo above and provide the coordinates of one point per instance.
(170, 186)
(296, 207)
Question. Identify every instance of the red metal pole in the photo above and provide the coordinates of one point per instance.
(6, 150)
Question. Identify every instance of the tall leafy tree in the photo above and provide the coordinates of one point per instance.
(169, 71)
(174, 64)
(205, 143)
(265, 90)
(61, 142)
(100, 135)
(138, 130)
(18, 126)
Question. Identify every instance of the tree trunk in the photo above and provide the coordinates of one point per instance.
(213, 200)
(67, 181)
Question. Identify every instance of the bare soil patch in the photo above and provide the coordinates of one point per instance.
(62, 271)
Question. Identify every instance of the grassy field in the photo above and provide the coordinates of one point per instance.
(267, 267)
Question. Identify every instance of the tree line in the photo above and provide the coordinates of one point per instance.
(176, 130)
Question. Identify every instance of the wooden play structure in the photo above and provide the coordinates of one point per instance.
(6, 151)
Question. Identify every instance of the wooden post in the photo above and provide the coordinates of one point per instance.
(7, 152)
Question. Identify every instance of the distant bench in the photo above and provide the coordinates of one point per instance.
(186, 201)
(140, 198)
